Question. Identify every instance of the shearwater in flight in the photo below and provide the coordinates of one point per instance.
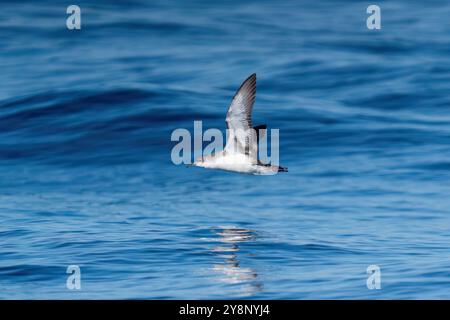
(241, 150)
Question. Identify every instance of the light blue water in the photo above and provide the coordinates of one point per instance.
(86, 176)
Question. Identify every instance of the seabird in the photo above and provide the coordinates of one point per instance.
(241, 150)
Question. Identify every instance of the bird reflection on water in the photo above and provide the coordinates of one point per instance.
(230, 269)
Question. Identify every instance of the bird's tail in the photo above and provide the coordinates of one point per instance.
(282, 169)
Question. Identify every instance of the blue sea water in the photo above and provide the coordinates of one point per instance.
(86, 176)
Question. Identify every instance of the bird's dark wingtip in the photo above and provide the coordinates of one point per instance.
(251, 77)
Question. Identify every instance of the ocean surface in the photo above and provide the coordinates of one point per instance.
(86, 176)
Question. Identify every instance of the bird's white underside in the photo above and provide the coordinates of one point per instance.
(236, 162)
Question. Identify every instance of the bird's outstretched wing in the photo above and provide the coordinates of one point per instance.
(241, 136)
